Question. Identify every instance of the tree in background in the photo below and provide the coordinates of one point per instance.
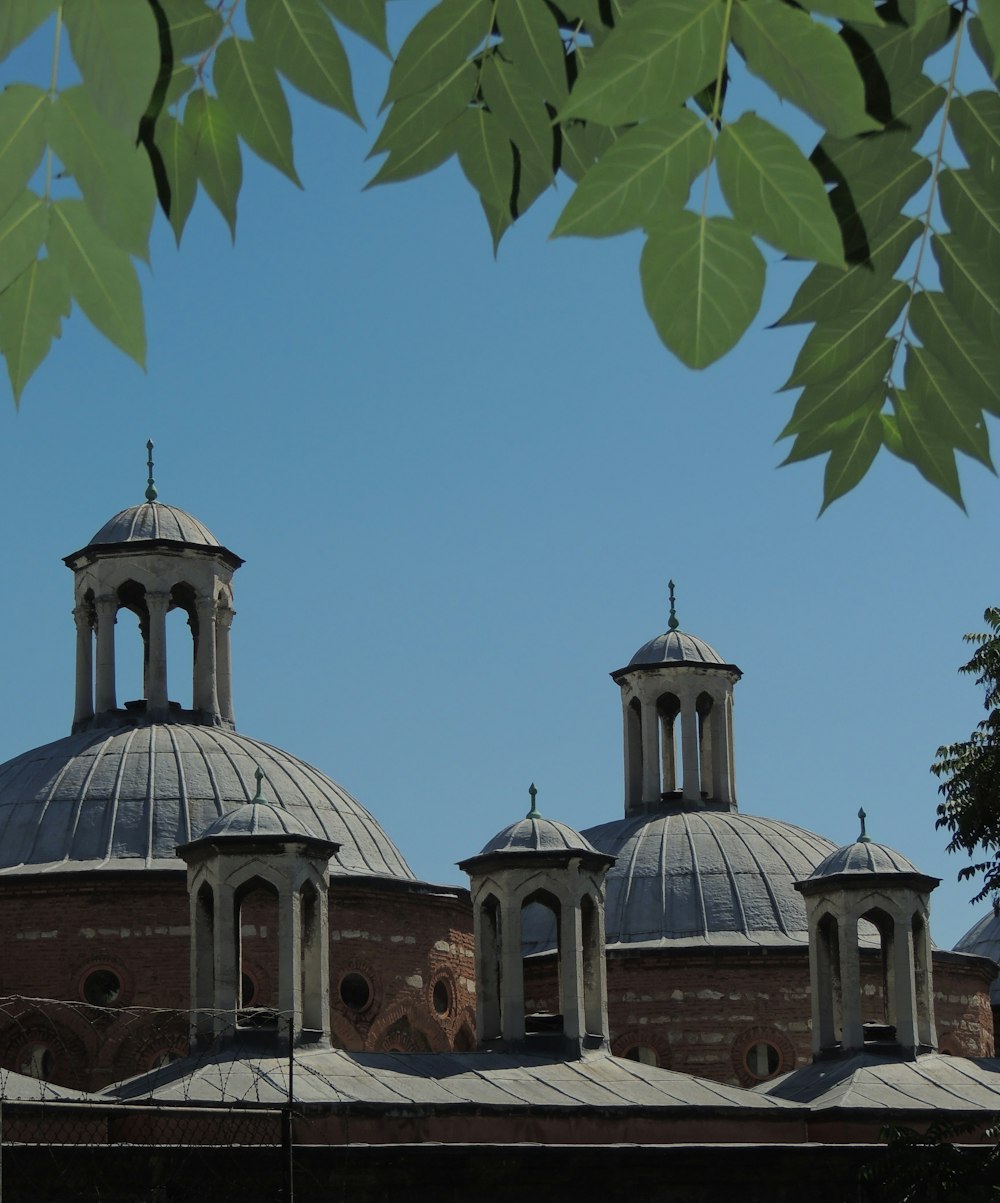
(642, 103)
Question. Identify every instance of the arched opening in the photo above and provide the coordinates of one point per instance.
(706, 721)
(182, 627)
(312, 960)
(829, 984)
(633, 752)
(545, 1020)
(203, 987)
(488, 972)
(668, 708)
(878, 1001)
(256, 926)
(131, 646)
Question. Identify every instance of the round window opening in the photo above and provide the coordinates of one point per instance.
(442, 997)
(102, 988)
(641, 1053)
(36, 1062)
(355, 992)
(762, 1060)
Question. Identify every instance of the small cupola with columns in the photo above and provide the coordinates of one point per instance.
(677, 712)
(151, 559)
(540, 862)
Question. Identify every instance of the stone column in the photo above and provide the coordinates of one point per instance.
(156, 673)
(83, 615)
(852, 1035)
(316, 959)
(689, 735)
(289, 960)
(202, 911)
(488, 940)
(223, 663)
(904, 986)
(205, 696)
(511, 972)
(721, 789)
(107, 608)
(227, 958)
(571, 998)
(650, 752)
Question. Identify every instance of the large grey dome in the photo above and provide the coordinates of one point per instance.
(706, 878)
(983, 940)
(124, 799)
(155, 521)
(676, 647)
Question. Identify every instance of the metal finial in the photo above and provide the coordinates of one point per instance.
(150, 487)
(673, 624)
(258, 796)
(863, 838)
(534, 813)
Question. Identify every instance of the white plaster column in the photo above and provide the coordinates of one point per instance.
(156, 671)
(205, 695)
(571, 999)
(289, 959)
(689, 736)
(650, 752)
(668, 757)
(851, 1031)
(721, 786)
(227, 959)
(511, 972)
(83, 615)
(107, 608)
(223, 662)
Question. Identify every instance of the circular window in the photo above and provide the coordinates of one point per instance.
(355, 991)
(102, 988)
(441, 996)
(762, 1059)
(36, 1062)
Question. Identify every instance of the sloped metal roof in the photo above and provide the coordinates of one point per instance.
(124, 799)
(154, 520)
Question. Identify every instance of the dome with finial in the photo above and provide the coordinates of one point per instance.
(675, 646)
(534, 833)
(258, 819)
(863, 856)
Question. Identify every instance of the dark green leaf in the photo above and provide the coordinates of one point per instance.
(874, 195)
(702, 280)
(299, 39)
(116, 45)
(775, 192)
(988, 26)
(112, 172)
(582, 143)
(194, 26)
(892, 440)
(923, 447)
(216, 152)
(182, 80)
(521, 115)
(851, 457)
(803, 61)
(823, 439)
(366, 18)
(18, 20)
(417, 119)
(975, 122)
(938, 325)
(971, 285)
(177, 154)
(249, 87)
(100, 275)
(972, 212)
(22, 231)
(946, 406)
(827, 291)
(498, 219)
(437, 46)
(486, 157)
(533, 43)
(31, 313)
(659, 54)
(647, 171)
(862, 384)
(23, 115)
(839, 342)
(891, 55)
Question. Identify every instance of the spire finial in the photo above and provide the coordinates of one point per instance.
(534, 813)
(673, 624)
(863, 838)
(258, 796)
(150, 487)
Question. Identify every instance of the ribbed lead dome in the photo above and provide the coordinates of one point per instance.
(983, 940)
(537, 834)
(152, 520)
(676, 647)
(704, 878)
(863, 856)
(125, 799)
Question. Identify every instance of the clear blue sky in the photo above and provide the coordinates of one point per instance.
(460, 487)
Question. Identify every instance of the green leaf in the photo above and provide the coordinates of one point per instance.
(22, 231)
(975, 122)
(299, 39)
(957, 418)
(18, 21)
(112, 172)
(874, 193)
(648, 170)
(194, 26)
(366, 18)
(31, 313)
(23, 117)
(659, 54)
(971, 285)
(988, 26)
(775, 192)
(533, 43)
(851, 457)
(922, 446)
(823, 439)
(521, 115)
(414, 121)
(972, 212)
(938, 325)
(437, 45)
(581, 145)
(892, 440)
(702, 280)
(803, 61)
(827, 291)
(182, 80)
(889, 56)
(486, 157)
(177, 154)
(499, 221)
(825, 404)
(216, 152)
(100, 275)
(116, 45)
(839, 342)
(249, 87)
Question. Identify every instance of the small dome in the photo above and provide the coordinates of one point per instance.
(155, 521)
(676, 647)
(536, 834)
(256, 819)
(863, 856)
(983, 940)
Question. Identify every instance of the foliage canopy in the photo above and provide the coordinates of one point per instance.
(637, 102)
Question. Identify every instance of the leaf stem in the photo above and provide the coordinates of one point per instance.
(717, 101)
(53, 89)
